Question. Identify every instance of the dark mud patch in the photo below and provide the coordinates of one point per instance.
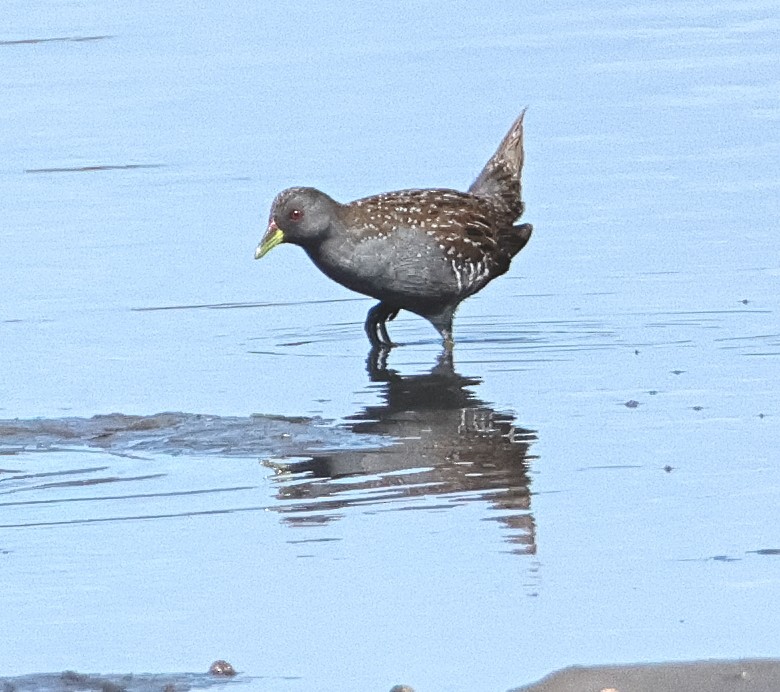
(180, 433)
(71, 681)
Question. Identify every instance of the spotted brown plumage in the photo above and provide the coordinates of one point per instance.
(419, 250)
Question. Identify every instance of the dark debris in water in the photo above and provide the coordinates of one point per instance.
(57, 39)
(88, 169)
(234, 306)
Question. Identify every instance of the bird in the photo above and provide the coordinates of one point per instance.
(420, 250)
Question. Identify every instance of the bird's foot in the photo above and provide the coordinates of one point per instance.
(376, 327)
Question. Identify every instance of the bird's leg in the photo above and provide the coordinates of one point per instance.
(443, 324)
(375, 325)
(383, 327)
(372, 320)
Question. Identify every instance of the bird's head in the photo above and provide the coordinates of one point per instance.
(299, 215)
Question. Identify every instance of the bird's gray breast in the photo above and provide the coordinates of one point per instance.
(405, 266)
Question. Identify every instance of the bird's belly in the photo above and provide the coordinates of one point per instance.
(415, 276)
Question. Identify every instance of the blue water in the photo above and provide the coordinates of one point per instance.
(142, 144)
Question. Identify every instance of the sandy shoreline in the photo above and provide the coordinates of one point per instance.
(748, 675)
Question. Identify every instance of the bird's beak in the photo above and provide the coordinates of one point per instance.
(273, 236)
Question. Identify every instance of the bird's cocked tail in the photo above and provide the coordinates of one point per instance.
(501, 176)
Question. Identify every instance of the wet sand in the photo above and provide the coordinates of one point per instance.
(753, 675)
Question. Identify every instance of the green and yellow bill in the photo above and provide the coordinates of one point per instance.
(273, 236)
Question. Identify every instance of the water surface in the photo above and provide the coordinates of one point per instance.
(199, 458)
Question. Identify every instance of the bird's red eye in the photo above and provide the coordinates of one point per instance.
(295, 215)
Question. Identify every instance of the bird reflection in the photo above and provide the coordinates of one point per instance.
(447, 448)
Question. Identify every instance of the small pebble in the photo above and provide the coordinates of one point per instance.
(222, 669)
(401, 688)
(631, 403)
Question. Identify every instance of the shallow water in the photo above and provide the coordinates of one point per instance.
(594, 479)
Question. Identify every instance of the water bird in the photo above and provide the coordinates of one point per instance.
(421, 250)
